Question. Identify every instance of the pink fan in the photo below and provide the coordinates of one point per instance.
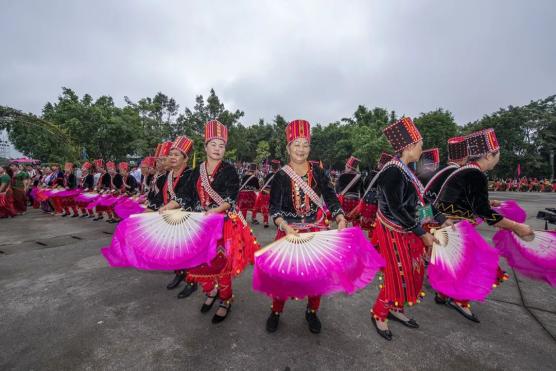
(316, 263)
(109, 200)
(86, 197)
(169, 241)
(463, 265)
(69, 193)
(127, 207)
(510, 209)
(534, 259)
(49, 193)
(96, 202)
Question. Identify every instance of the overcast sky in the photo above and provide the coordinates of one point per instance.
(303, 59)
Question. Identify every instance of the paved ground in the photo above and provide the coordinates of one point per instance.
(62, 307)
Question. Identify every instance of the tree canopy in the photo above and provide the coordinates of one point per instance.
(74, 128)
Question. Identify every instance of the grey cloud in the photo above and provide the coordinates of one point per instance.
(311, 59)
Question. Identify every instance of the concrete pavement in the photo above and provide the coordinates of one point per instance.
(62, 307)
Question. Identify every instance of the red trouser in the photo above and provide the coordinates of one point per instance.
(382, 306)
(215, 275)
(313, 303)
(262, 206)
(246, 201)
(255, 212)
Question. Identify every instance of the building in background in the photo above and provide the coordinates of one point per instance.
(7, 150)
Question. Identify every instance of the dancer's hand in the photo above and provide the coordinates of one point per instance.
(448, 223)
(524, 231)
(495, 203)
(341, 221)
(290, 230)
(429, 239)
(211, 211)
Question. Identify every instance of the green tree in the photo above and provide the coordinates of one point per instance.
(526, 135)
(263, 151)
(436, 127)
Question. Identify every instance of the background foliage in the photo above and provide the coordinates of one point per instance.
(74, 128)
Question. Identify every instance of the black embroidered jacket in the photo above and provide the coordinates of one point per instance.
(465, 195)
(355, 190)
(252, 185)
(282, 201)
(70, 181)
(398, 200)
(130, 184)
(155, 199)
(436, 182)
(225, 183)
(88, 182)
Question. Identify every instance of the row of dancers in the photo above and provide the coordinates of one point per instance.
(305, 260)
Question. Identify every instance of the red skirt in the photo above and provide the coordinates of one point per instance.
(19, 200)
(236, 250)
(368, 215)
(405, 263)
(348, 205)
(7, 204)
(262, 203)
(246, 200)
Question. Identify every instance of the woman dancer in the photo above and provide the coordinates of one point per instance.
(295, 206)
(214, 186)
(399, 230)
(464, 196)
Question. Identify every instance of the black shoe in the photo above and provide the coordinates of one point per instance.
(216, 318)
(460, 310)
(74, 215)
(314, 321)
(175, 282)
(189, 289)
(266, 225)
(98, 218)
(272, 322)
(64, 215)
(440, 300)
(387, 334)
(410, 323)
(254, 221)
(206, 307)
(90, 216)
(113, 221)
(84, 216)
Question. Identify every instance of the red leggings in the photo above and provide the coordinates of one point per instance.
(313, 303)
(382, 306)
(265, 215)
(213, 276)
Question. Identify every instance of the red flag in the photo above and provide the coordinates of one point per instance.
(518, 170)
